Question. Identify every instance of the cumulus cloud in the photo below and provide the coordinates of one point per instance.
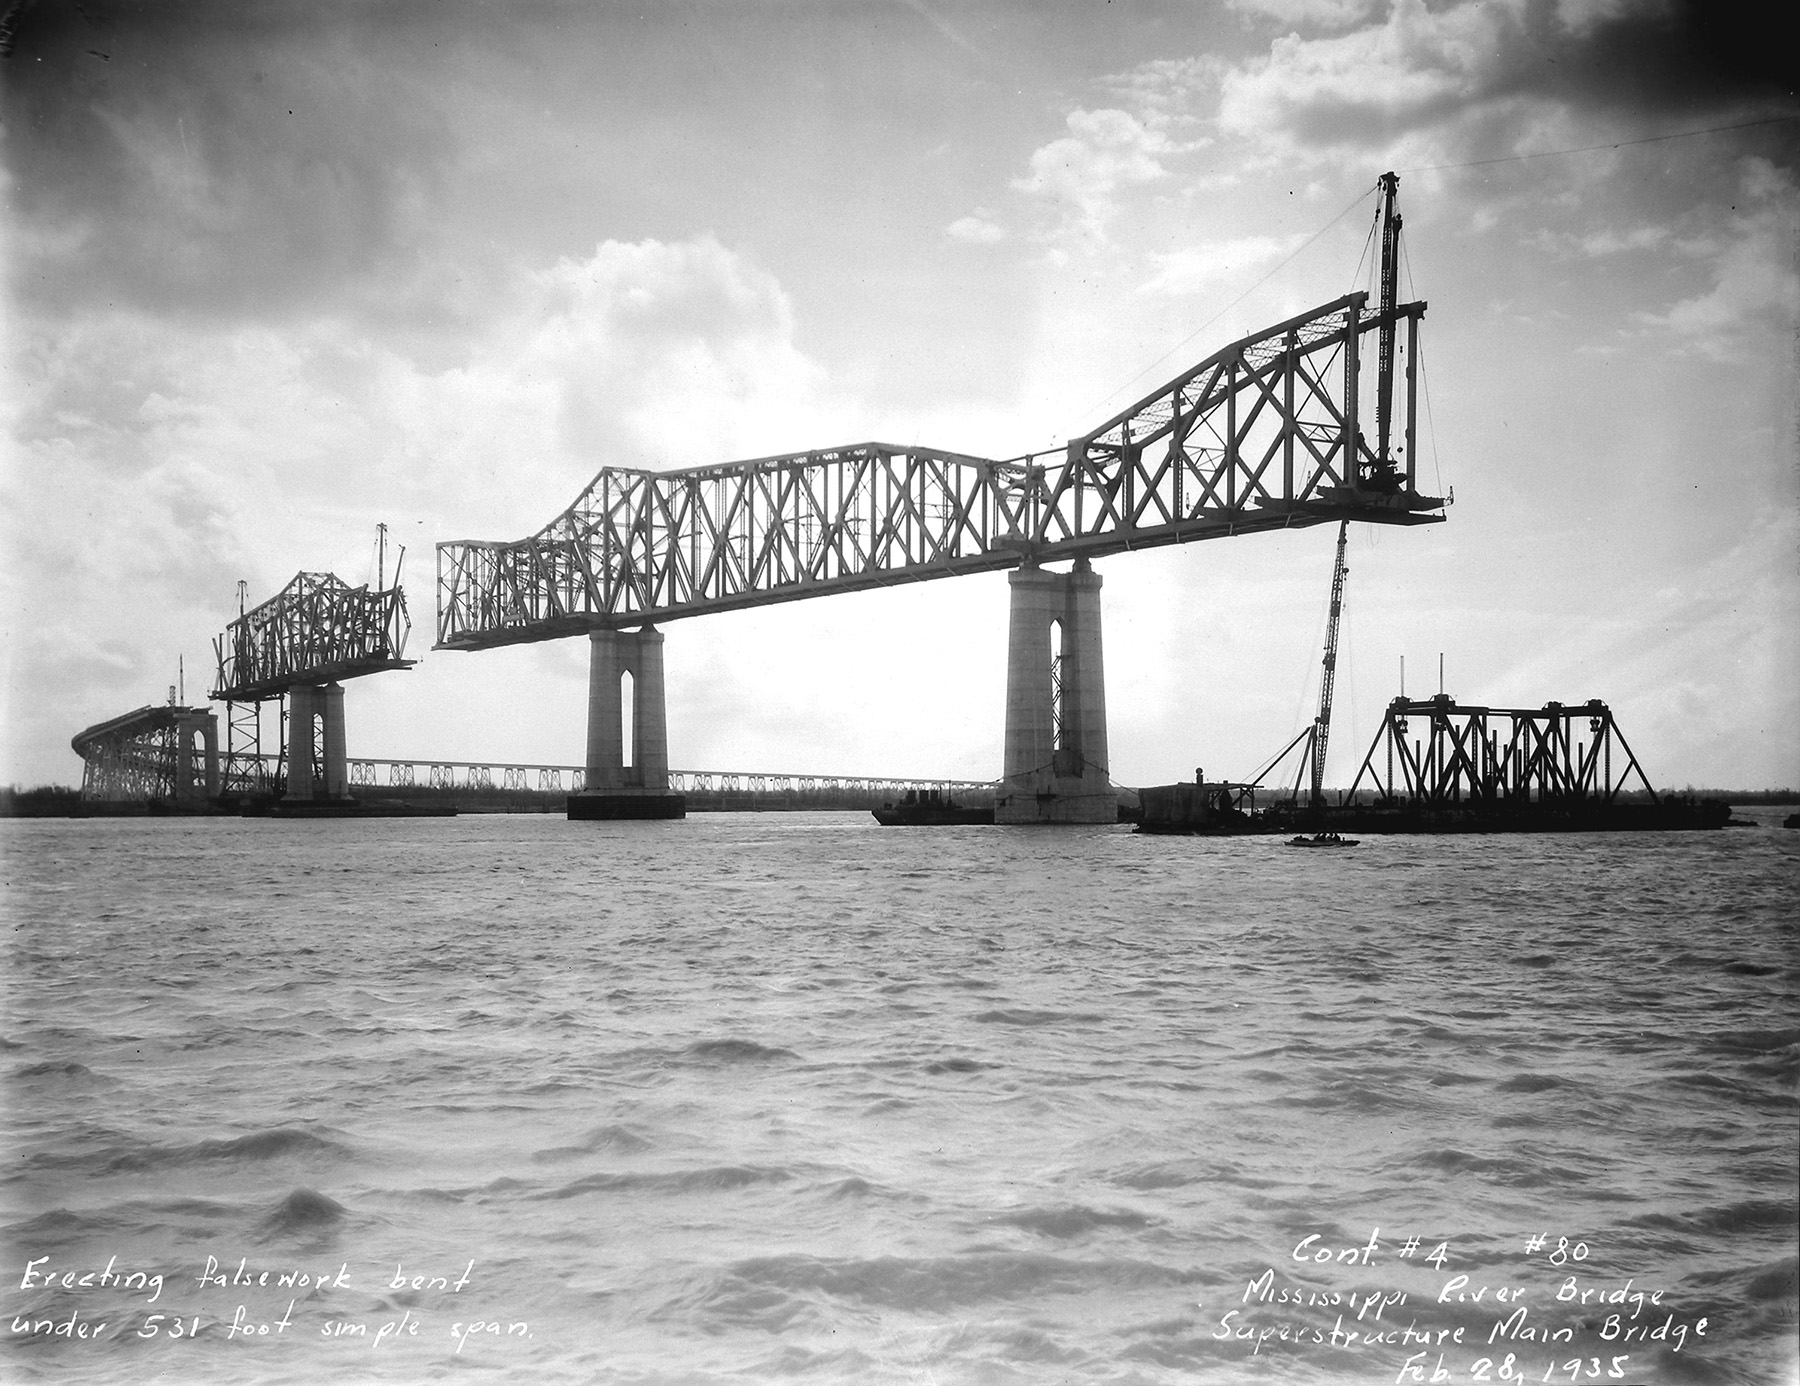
(157, 462)
(975, 228)
(1608, 241)
(1326, 14)
(669, 354)
(1200, 267)
(1369, 84)
(161, 174)
(1084, 172)
(1169, 94)
(1755, 292)
(1477, 75)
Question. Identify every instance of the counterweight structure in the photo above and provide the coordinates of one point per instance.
(299, 646)
(1264, 434)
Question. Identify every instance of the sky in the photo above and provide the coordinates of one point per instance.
(279, 272)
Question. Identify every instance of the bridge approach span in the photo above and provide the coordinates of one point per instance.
(1263, 434)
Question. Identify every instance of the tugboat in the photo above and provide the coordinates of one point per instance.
(928, 808)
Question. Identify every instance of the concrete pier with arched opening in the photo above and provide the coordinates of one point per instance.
(1055, 766)
(627, 773)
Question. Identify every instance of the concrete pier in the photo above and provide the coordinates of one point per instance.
(318, 765)
(302, 740)
(618, 785)
(1055, 761)
(336, 763)
(196, 757)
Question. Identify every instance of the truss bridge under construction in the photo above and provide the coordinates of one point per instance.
(296, 650)
(1267, 433)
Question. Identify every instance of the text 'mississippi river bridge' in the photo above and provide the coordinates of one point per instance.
(1264, 434)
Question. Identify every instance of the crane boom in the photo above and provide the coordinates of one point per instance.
(1384, 407)
(1322, 723)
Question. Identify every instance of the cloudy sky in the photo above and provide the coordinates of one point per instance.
(277, 272)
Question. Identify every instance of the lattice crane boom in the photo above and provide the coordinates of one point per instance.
(1328, 676)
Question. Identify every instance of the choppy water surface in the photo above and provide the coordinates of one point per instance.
(793, 1097)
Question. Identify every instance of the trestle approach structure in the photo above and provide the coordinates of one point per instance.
(1264, 434)
(164, 757)
(752, 789)
(296, 650)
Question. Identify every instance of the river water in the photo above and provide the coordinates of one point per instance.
(791, 1097)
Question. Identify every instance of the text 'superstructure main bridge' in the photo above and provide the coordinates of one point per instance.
(1263, 434)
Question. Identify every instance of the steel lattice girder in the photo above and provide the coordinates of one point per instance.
(316, 630)
(1463, 758)
(1261, 435)
(368, 771)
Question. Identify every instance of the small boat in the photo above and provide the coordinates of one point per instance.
(928, 808)
(1323, 840)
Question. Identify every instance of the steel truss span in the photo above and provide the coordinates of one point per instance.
(316, 630)
(1263, 434)
(367, 773)
(1497, 755)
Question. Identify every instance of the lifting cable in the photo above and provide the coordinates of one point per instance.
(1298, 250)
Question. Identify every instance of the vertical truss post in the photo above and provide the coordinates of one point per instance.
(1384, 379)
(1290, 363)
(1412, 399)
(1231, 434)
(1352, 389)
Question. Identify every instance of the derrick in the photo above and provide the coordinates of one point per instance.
(1328, 676)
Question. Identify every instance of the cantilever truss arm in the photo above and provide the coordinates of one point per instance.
(1261, 435)
(315, 630)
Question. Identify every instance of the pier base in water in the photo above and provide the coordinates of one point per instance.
(623, 806)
